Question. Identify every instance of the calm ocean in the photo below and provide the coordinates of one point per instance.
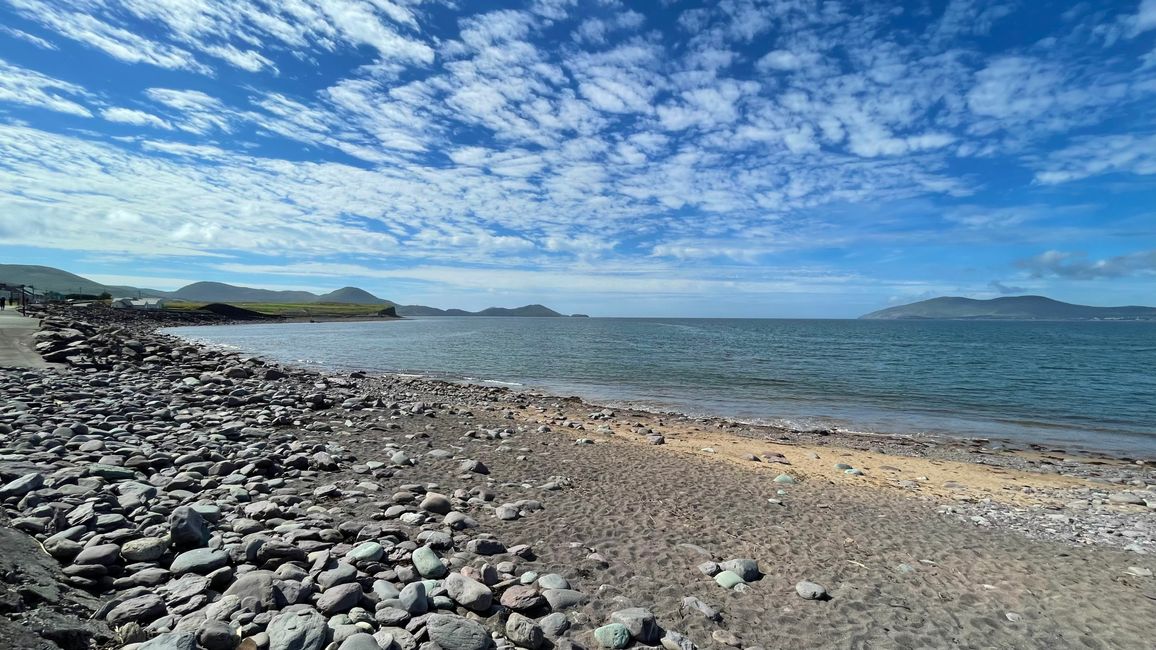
(1090, 385)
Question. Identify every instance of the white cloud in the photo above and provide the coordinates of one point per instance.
(25, 36)
(30, 88)
(1092, 156)
(135, 117)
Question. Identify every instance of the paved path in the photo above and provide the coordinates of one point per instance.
(16, 342)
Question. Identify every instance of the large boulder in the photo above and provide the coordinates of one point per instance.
(187, 528)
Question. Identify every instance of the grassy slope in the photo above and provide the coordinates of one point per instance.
(290, 309)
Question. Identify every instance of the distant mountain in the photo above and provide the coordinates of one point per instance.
(47, 278)
(352, 296)
(227, 293)
(528, 310)
(1008, 308)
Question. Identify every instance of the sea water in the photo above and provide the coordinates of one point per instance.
(1076, 384)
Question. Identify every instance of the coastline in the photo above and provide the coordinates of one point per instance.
(926, 526)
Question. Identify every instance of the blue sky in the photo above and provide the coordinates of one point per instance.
(732, 158)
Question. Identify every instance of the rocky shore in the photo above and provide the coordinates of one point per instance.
(157, 494)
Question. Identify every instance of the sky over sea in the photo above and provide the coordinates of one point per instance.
(730, 158)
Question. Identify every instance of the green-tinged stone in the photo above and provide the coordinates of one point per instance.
(427, 563)
(614, 636)
(728, 579)
(785, 479)
(369, 552)
(110, 472)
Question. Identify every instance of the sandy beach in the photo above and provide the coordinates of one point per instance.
(344, 480)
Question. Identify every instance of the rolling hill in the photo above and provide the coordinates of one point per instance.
(1007, 308)
(47, 278)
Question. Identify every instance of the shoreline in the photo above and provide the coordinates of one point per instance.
(994, 443)
(345, 478)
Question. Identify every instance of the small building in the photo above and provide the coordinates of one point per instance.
(139, 304)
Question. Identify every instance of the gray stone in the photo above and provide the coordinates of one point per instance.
(217, 635)
(103, 554)
(22, 485)
(427, 563)
(187, 528)
(436, 503)
(746, 569)
(614, 636)
(256, 585)
(672, 640)
(305, 629)
(413, 598)
(201, 561)
(359, 641)
(141, 610)
(524, 632)
(340, 598)
(563, 598)
(171, 641)
(643, 628)
(485, 547)
(811, 590)
(553, 581)
(341, 574)
(785, 479)
(709, 569)
(366, 552)
(554, 625)
(145, 549)
(452, 632)
(1126, 498)
(468, 593)
(690, 604)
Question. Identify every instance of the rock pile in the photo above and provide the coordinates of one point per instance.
(197, 495)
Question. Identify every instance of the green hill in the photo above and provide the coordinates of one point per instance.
(1007, 308)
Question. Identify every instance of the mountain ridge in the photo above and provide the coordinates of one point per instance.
(47, 278)
(1007, 308)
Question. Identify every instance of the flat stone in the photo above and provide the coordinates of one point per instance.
(563, 598)
(103, 554)
(145, 549)
(643, 628)
(300, 630)
(183, 640)
(811, 590)
(452, 632)
(201, 561)
(141, 610)
(366, 552)
(746, 569)
(553, 581)
(22, 485)
(340, 598)
(521, 598)
(255, 585)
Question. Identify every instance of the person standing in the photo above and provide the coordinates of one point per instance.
(3, 303)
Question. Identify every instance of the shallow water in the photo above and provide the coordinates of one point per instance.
(1085, 384)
